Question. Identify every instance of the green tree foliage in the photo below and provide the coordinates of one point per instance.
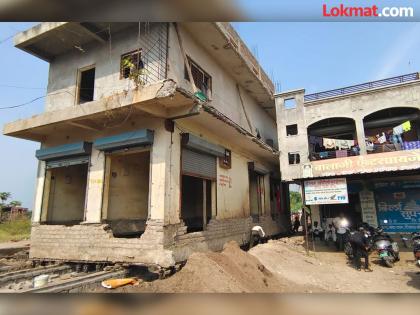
(295, 201)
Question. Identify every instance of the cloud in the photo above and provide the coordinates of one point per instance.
(400, 52)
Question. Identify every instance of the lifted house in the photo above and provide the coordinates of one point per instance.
(156, 142)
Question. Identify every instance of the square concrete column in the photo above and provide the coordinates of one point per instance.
(164, 202)
(39, 192)
(95, 187)
(360, 131)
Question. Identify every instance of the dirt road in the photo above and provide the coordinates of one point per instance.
(328, 271)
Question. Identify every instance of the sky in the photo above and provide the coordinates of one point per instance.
(314, 56)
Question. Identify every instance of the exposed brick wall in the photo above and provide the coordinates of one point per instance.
(161, 245)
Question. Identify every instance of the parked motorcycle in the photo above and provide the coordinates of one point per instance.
(387, 249)
(415, 244)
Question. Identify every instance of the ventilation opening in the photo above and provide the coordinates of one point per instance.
(290, 103)
(86, 86)
(292, 130)
(196, 202)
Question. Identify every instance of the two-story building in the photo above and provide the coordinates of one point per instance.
(356, 150)
(155, 142)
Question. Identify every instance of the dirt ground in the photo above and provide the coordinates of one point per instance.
(326, 270)
(283, 266)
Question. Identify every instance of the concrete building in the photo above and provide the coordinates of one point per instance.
(366, 134)
(140, 164)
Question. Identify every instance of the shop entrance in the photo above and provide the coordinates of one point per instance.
(64, 193)
(198, 186)
(351, 210)
(126, 196)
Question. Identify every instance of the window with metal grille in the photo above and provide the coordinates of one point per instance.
(294, 158)
(130, 62)
(202, 79)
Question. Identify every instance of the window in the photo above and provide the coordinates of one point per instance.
(201, 79)
(290, 103)
(294, 158)
(86, 85)
(131, 62)
(291, 130)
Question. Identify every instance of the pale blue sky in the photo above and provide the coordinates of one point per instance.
(314, 56)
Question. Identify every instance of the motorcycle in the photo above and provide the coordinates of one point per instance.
(415, 244)
(387, 249)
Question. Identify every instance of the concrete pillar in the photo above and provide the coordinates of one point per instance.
(95, 186)
(360, 131)
(316, 216)
(39, 191)
(267, 202)
(164, 202)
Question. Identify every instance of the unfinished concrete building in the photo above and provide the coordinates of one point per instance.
(367, 134)
(157, 140)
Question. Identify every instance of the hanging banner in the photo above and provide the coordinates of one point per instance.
(326, 191)
(367, 203)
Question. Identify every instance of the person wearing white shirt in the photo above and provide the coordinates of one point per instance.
(341, 226)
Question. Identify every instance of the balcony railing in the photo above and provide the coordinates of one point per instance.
(389, 147)
(362, 87)
(315, 156)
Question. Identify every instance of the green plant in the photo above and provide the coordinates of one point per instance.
(137, 70)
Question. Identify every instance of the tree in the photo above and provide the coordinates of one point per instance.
(4, 196)
(295, 201)
(15, 203)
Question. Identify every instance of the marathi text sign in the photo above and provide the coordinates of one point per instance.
(371, 163)
(326, 191)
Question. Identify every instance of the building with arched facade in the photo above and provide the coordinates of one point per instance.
(365, 136)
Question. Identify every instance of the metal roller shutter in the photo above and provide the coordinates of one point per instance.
(67, 162)
(198, 164)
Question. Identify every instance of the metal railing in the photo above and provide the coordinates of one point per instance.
(362, 87)
(326, 155)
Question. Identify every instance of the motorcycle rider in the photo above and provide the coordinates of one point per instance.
(360, 245)
(341, 224)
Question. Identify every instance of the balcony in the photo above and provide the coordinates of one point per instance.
(325, 155)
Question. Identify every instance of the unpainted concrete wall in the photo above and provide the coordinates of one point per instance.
(355, 106)
(67, 193)
(225, 96)
(129, 186)
(63, 73)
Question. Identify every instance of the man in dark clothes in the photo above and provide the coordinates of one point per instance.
(296, 223)
(360, 245)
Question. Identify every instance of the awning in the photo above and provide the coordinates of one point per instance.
(198, 144)
(64, 151)
(142, 137)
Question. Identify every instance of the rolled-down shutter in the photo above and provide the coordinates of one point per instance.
(67, 162)
(198, 164)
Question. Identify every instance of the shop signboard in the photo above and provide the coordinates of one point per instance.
(398, 205)
(326, 191)
(370, 163)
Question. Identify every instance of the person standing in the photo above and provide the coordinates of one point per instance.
(296, 223)
(360, 245)
(341, 225)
